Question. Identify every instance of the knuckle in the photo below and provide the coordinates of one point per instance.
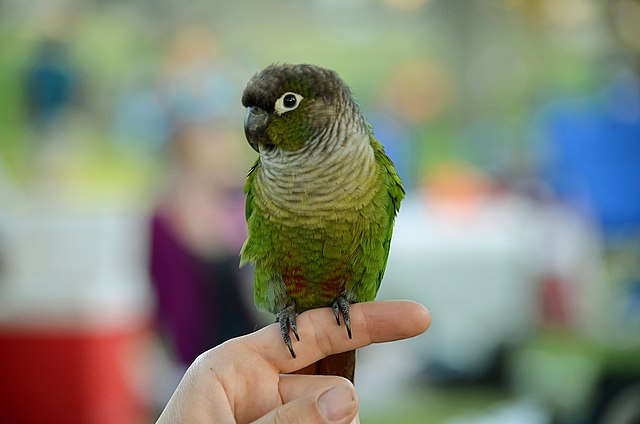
(322, 339)
(287, 414)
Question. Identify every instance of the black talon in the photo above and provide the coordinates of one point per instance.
(287, 322)
(336, 312)
(341, 305)
(292, 325)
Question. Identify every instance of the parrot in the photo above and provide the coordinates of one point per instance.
(321, 200)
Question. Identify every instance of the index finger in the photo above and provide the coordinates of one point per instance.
(371, 322)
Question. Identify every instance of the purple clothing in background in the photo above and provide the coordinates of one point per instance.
(198, 301)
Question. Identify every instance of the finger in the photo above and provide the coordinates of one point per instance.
(294, 386)
(336, 405)
(371, 322)
(197, 399)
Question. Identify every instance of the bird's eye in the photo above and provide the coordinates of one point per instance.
(288, 101)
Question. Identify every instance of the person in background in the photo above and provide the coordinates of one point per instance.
(196, 233)
(197, 227)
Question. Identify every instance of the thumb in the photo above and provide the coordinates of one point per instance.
(336, 405)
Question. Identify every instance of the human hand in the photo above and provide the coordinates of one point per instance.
(244, 380)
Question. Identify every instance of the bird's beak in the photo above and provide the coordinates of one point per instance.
(255, 127)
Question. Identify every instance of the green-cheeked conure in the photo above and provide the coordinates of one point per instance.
(321, 200)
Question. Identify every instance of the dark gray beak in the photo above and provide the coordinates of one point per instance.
(255, 127)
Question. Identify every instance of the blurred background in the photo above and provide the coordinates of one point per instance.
(515, 125)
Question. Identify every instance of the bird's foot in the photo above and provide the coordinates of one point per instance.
(341, 306)
(286, 318)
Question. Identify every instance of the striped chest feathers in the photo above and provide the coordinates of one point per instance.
(319, 183)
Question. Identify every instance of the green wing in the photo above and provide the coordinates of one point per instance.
(393, 193)
(248, 189)
(248, 206)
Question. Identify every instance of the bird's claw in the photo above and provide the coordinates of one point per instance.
(287, 321)
(341, 306)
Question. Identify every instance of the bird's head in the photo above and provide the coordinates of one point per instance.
(288, 105)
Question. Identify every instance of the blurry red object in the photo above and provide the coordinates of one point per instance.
(63, 376)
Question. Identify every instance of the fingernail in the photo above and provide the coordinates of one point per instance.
(336, 403)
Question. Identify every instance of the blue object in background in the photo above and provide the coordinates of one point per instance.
(50, 83)
(592, 149)
(396, 139)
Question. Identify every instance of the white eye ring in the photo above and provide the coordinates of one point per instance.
(288, 101)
